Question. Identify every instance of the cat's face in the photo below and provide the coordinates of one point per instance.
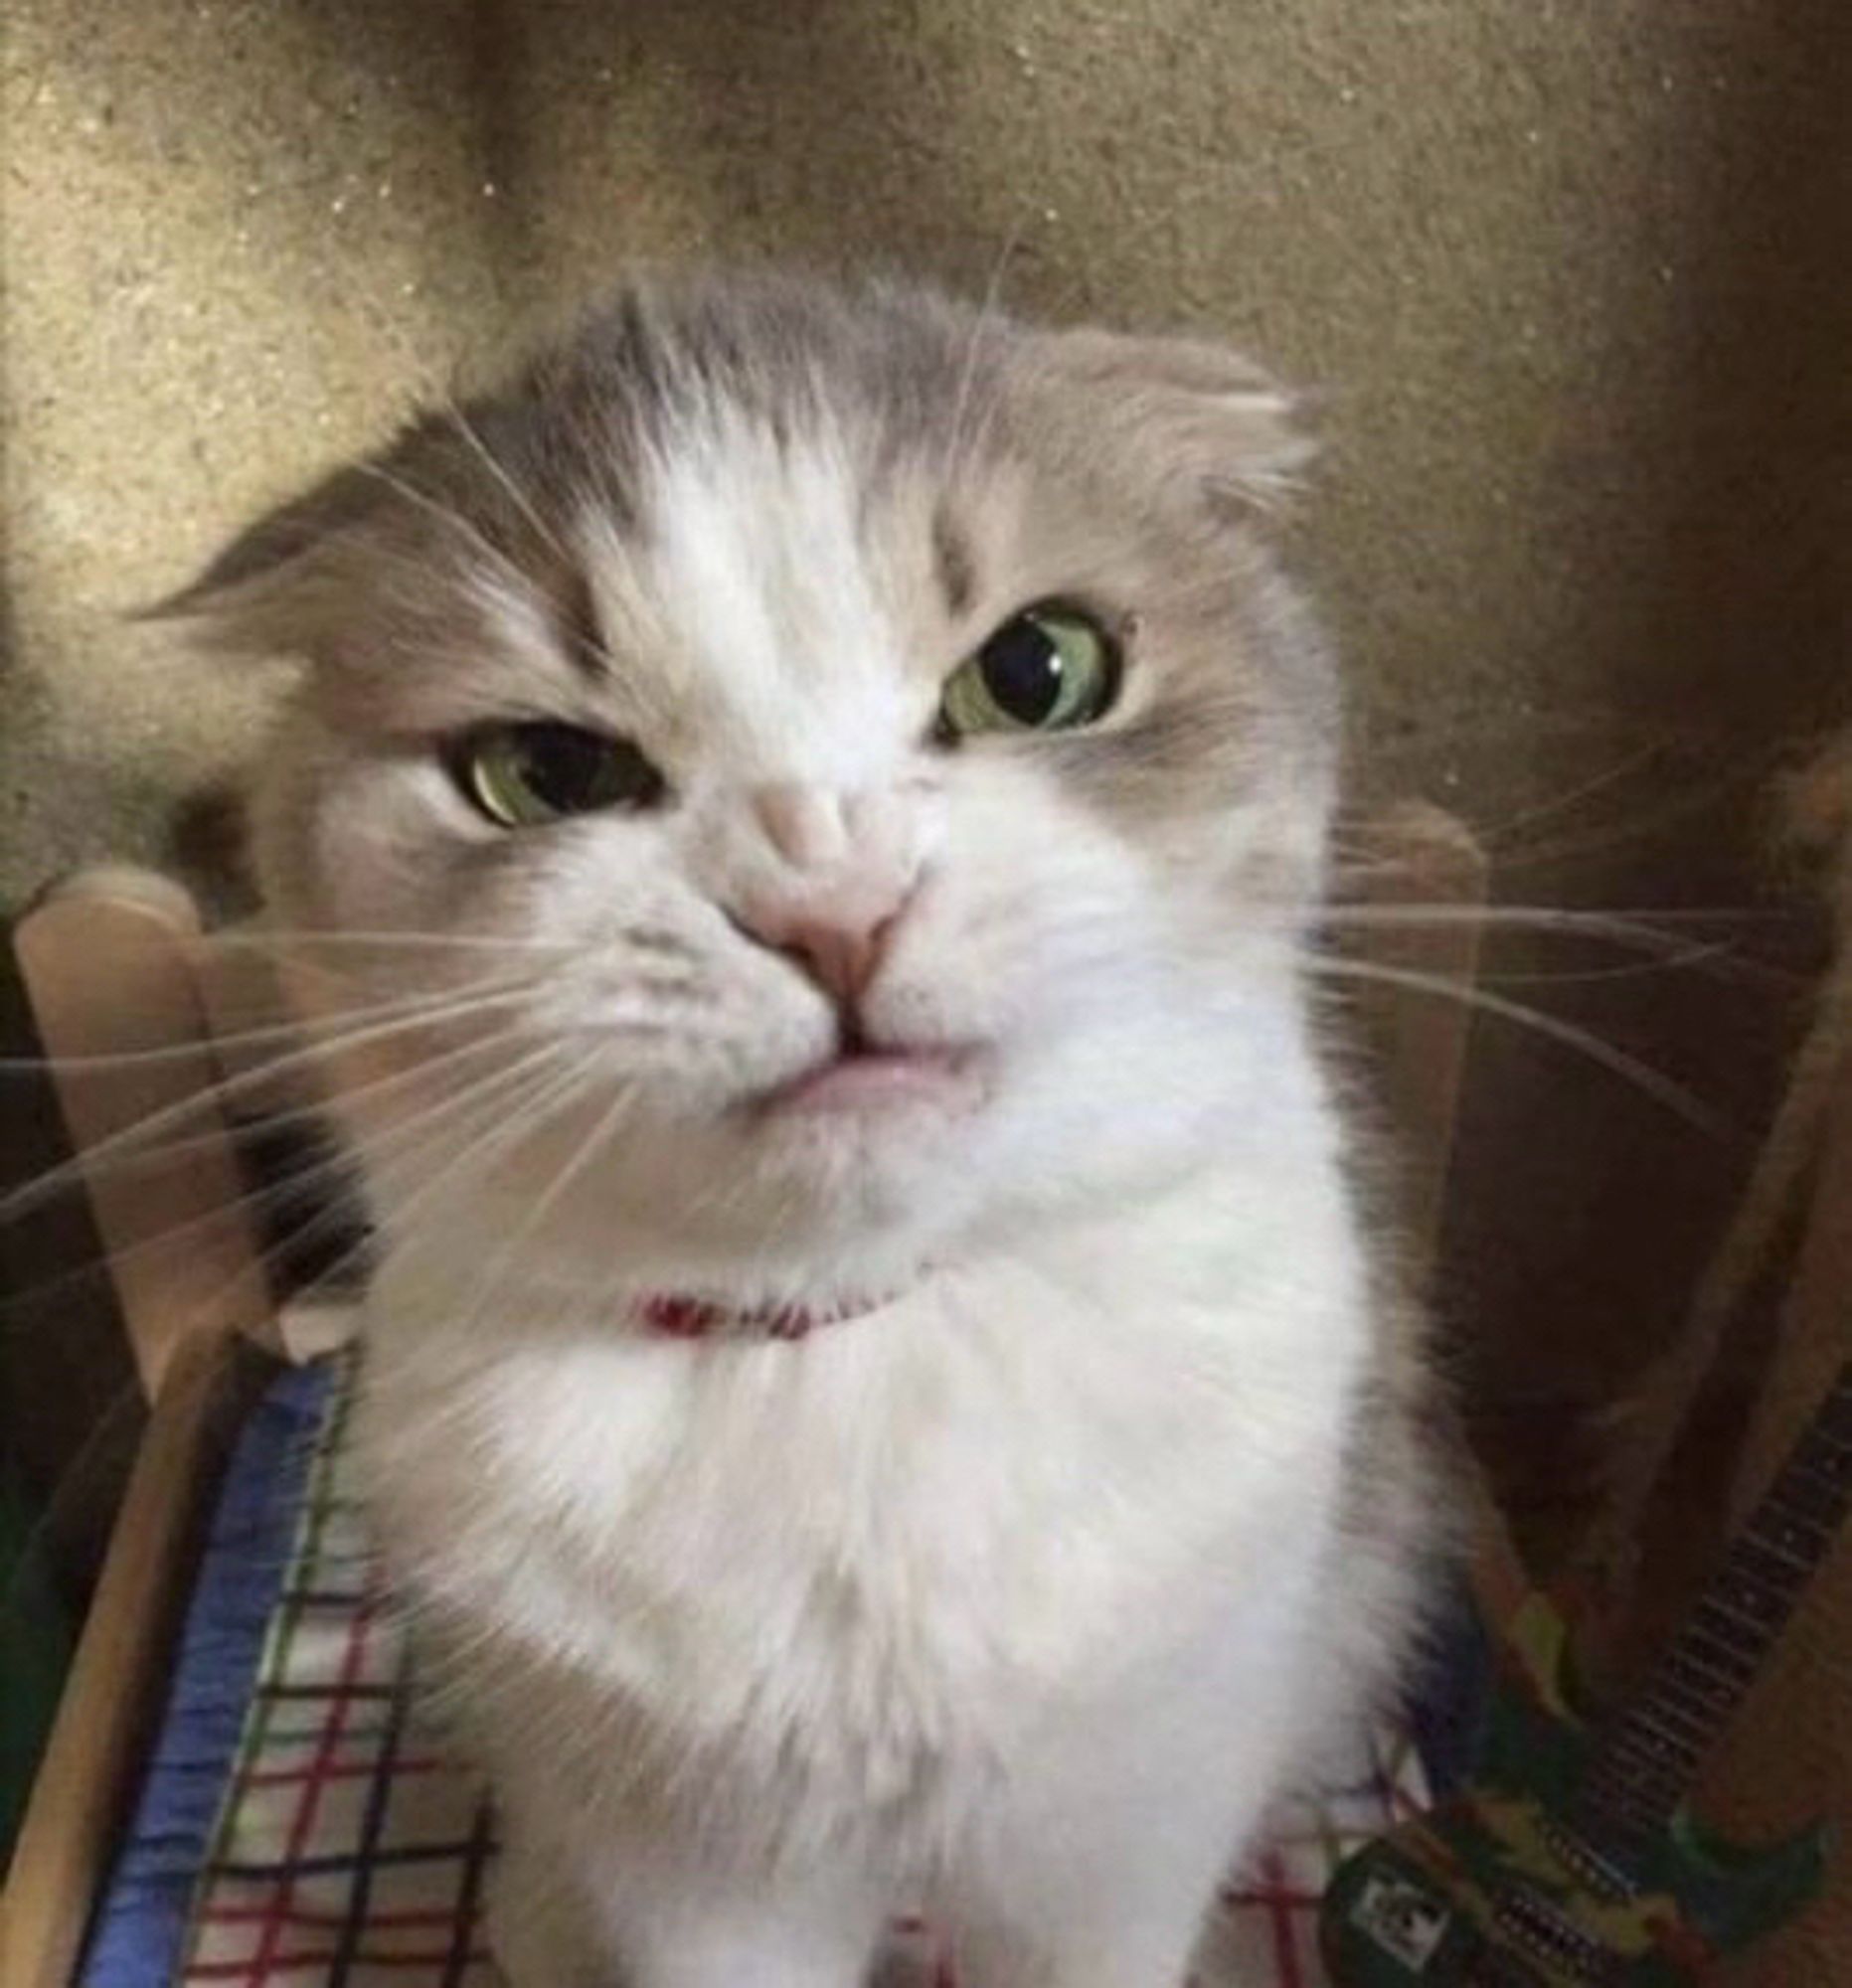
(864, 757)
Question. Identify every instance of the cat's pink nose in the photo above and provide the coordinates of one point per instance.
(840, 953)
(845, 870)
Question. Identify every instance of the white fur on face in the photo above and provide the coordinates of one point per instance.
(782, 637)
(777, 635)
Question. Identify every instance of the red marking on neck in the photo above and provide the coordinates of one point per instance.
(677, 1318)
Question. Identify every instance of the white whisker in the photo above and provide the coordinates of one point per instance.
(448, 516)
(294, 1184)
(958, 447)
(294, 1029)
(439, 1124)
(451, 411)
(35, 1193)
(1663, 1090)
(506, 1258)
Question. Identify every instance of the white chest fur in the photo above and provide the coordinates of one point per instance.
(877, 1557)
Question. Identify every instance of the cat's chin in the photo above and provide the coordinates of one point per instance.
(857, 1143)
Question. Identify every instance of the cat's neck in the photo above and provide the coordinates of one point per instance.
(1206, 1237)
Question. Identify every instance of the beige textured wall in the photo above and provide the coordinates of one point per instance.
(1573, 277)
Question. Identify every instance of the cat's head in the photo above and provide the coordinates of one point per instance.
(847, 762)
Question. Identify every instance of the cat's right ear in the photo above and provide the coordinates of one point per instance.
(1200, 409)
(273, 589)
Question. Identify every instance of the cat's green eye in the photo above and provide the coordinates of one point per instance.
(521, 775)
(1047, 669)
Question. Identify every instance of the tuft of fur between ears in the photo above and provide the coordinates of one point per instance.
(1205, 412)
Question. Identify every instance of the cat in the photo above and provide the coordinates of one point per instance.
(797, 834)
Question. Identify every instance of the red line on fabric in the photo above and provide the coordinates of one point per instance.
(257, 1970)
(1280, 1920)
(1284, 1896)
(351, 1771)
(430, 1917)
(227, 1970)
(1397, 1803)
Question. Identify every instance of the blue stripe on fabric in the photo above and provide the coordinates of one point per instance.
(137, 1938)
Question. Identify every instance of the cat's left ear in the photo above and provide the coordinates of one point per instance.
(1206, 411)
(271, 590)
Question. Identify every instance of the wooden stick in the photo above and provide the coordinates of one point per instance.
(110, 962)
(61, 1858)
(1423, 856)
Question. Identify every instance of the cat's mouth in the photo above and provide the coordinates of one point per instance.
(861, 1078)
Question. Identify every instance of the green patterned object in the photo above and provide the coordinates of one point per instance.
(1509, 1887)
(1572, 1859)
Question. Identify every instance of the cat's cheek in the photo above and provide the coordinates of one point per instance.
(353, 841)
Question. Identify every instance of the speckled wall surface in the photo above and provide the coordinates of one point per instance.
(1573, 279)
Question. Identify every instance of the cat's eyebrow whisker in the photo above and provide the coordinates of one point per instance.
(416, 574)
(1653, 1083)
(442, 400)
(451, 411)
(448, 516)
(506, 574)
(960, 448)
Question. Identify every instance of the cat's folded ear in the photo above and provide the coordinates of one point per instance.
(271, 590)
(1210, 413)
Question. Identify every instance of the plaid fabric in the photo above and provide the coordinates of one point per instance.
(350, 1853)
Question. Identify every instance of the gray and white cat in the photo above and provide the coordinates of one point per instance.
(800, 823)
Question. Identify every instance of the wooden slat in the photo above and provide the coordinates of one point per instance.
(1421, 857)
(1789, 1757)
(78, 1795)
(109, 965)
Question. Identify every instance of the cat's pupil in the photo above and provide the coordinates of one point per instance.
(563, 767)
(1022, 666)
(573, 771)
